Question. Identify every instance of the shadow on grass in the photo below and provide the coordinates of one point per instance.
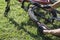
(21, 26)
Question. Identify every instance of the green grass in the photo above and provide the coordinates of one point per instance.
(18, 26)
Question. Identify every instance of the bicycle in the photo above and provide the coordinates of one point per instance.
(32, 11)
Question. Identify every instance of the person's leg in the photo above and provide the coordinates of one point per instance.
(54, 32)
(56, 4)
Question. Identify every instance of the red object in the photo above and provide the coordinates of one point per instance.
(40, 1)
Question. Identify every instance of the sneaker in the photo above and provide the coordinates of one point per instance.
(41, 27)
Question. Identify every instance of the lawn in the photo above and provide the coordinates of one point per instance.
(18, 26)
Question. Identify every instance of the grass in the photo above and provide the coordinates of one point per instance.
(18, 26)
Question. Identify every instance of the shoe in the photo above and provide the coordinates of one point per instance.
(41, 27)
